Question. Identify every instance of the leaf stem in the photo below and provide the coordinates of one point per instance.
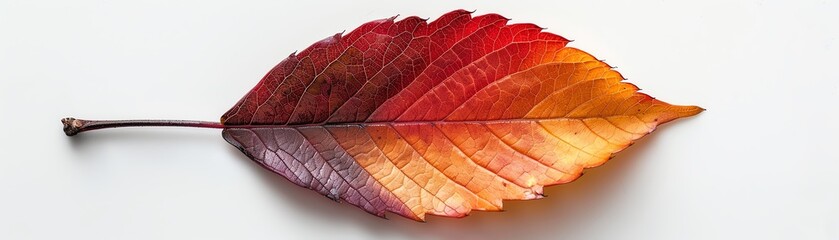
(74, 126)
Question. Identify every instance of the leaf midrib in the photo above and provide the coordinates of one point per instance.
(409, 123)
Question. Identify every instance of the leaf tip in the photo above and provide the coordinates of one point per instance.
(676, 112)
(687, 111)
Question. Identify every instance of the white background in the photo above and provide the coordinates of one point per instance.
(761, 163)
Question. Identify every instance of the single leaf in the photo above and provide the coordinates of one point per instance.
(441, 117)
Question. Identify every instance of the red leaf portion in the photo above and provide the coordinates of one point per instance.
(356, 78)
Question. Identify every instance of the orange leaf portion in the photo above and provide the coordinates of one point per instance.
(440, 118)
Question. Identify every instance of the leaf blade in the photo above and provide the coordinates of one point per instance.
(440, 118)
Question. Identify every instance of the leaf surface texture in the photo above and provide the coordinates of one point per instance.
(442, 117)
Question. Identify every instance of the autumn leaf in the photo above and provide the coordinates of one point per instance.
(442, 117)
